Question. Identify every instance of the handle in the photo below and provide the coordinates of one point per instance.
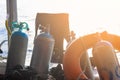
(21, 25)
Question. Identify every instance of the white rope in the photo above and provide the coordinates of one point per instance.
(84, 69)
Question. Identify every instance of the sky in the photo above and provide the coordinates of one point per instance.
(85, 16)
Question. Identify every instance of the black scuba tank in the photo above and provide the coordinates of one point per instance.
(42, 51)
(18, 46)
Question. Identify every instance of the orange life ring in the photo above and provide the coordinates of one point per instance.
(71, 60)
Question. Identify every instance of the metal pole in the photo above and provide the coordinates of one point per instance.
(11, 13)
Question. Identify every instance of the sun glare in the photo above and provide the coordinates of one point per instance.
(85, 16)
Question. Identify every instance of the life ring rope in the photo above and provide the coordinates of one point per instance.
(84, 69)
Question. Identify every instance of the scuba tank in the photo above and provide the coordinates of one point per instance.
(18, 46)
(106, 61)
(42, 51)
